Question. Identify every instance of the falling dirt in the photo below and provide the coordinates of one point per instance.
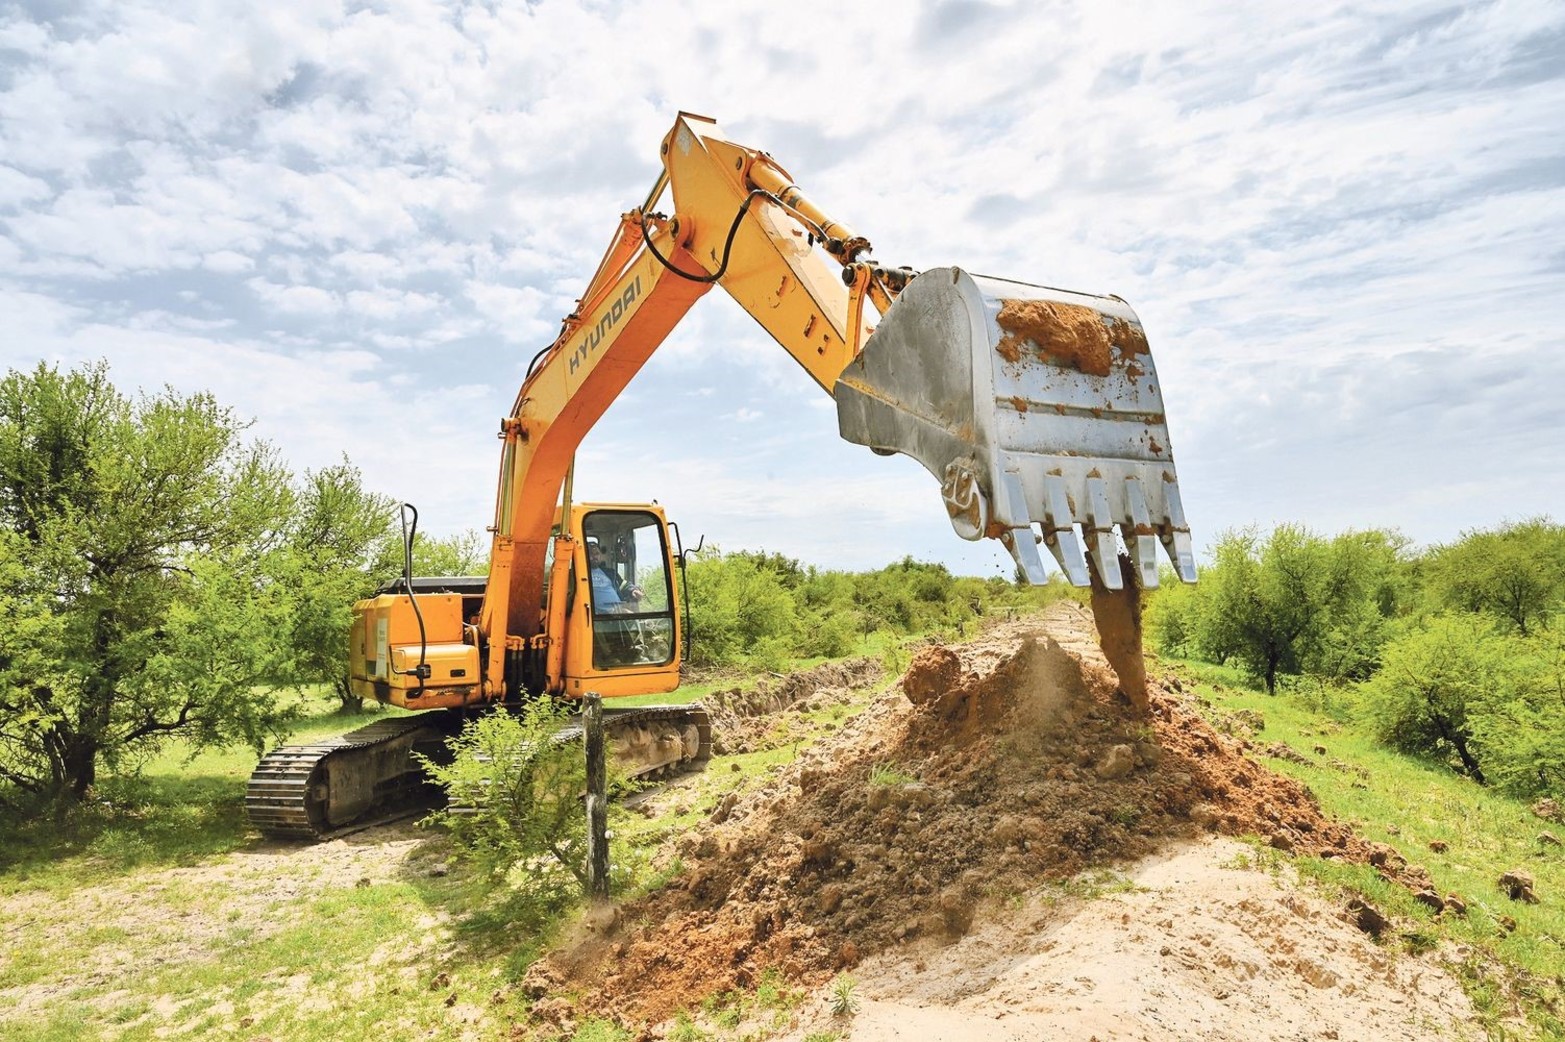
(1117, 614)
(994, 768)
(1069, 335)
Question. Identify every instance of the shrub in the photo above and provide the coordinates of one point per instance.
(515, 801)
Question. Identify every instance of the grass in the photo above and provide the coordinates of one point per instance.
(1411, 803)
(884, 774)
(179, 808)
(844, 1000)
(421, 954)
(173, 954)
(279, 985)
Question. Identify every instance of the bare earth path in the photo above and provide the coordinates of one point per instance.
(1205, 947)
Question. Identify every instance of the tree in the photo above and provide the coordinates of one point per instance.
(1433, 680)
(340, 546)
(464, 553)
(1268, 603)
(135, 542)
(1520, 725)
(739, 609)
(515, 800)
(1172, 615)
(1371, 583)
(1515, 572)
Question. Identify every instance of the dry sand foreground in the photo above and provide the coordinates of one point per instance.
(1202, 949)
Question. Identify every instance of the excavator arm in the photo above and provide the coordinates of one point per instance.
(1033, 407)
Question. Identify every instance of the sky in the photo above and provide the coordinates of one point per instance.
(1342, 226)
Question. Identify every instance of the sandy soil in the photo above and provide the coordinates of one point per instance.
(1203, 946)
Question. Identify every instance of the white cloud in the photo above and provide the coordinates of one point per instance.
(17, 188)
(1341, 224)
(298, 300)
(227, 262)
(518, 314)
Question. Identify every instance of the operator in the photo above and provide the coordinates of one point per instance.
(609, 594)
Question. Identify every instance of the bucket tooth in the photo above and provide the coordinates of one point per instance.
(1059, 530)
(1023, 545)
(1024, 401)
(1143, 544)
(1105, 550)
(1176, 540)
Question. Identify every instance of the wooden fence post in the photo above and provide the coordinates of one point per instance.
(597, 798)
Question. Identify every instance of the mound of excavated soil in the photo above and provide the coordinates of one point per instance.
(995, 766)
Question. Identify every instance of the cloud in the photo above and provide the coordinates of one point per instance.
(296, 300)
(17, 188)
(1340, 224)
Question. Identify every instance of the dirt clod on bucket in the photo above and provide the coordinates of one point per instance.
(1071, 336)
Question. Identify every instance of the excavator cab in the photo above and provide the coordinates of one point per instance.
(622, 628)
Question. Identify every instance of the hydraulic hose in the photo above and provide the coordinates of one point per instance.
(409, 533)
(728, 243)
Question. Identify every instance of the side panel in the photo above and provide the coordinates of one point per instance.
(385, 647)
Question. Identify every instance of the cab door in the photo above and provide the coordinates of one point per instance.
(623, 621)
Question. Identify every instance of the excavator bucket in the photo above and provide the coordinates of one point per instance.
(1033, 407)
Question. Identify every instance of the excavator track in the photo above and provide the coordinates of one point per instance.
(330, 787)
(654, 741)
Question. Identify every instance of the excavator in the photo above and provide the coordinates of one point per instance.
(1037, 410)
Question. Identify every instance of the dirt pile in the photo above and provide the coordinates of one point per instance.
(1071, 336)
(994, 767)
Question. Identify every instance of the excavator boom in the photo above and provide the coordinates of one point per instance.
(1037, 410)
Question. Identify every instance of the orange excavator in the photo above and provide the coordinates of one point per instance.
(1038, 411)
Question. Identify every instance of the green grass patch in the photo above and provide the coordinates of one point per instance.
(1415, 806)
(178, 807)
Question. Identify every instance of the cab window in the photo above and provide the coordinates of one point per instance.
(632, 601)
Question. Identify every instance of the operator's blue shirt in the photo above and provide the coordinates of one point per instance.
(604, 593)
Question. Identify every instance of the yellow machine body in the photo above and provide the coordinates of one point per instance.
(618, 632)
(386, 647)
